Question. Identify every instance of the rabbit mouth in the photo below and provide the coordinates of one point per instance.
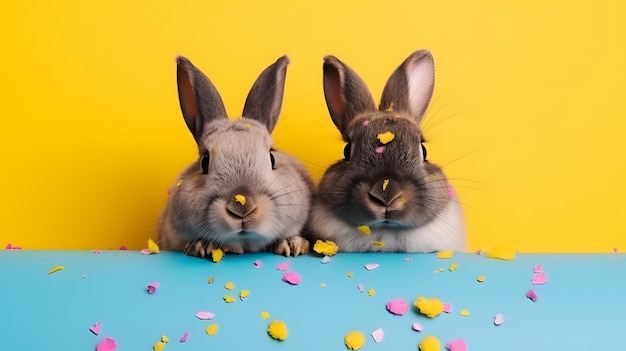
(390, 224)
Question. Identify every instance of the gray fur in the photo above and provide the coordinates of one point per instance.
(202, 212)
(407, 202)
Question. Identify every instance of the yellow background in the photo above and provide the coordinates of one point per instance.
(528, 117)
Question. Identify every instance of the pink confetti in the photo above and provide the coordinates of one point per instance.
(408, 259)
(205, 315)
(107, 344)
(184, 337)
(95, 328)
(457, 345)
(283, 266)
(417, 327)
(537, 269)
(11, 247)
(380, 149)
(123, 247)
(531, 294)
(447, 307)
(292, 278)
(169, 190)
(258, 264)
(371, 266)
(361, 287)
(325, 259)
(145, 252)
(498, 319)
(397, 306)
(378, 335)
(366, 123)
(97, 251)
(152, 287)
(450, 191)
(539, 278)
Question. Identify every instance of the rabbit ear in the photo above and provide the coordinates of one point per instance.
(411, 85)
(345, 92)
(199, 100)
(265, 98)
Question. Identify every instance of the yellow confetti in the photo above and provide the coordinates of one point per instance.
(385, 138)
(55, 269)
(211, 329)
(390, 108)
(179, 183)
(211, 280)
(322, 285)
(164, 339)
(153, 247)
(243, 294)
(265, 315)
(364, 229)
(481, 278)
(217, 255)
(325, 247)
(354, 340)
(240, 199)
(501, 253)
(229, 286)
(464, 313)
(229, 299)
(385, 184)
(430, 343)
(84, 275)
(379, 244)
(445, 254)
(277, 330)
(439, 270)
(453, 267)
(158, 346)
(430, 307)
(371, 292)
(350, 274)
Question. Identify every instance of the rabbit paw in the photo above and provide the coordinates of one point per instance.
(199, 248)
(295, 245)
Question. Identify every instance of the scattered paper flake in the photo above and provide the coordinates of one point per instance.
(498, 319)
(95, 329)
(445, 254)
(165, 339)
(292, 278)
(379, 150)
(244, 294)
(417, 327)
(205, 315)
(283, 266)
(229, 286)
(447, 308)
(185, 336)
(217, 255)
(277, 330)
(360, 286)
(371, 292)
(158, 346)
(229, 299)
(390, 108)
(350, 274)
(439, 270)
(385, 137)
(211, 280)
(478, 252)
(615, 249)
(385, 184)
(153, 247)
(501, 253)
(453, 267)
(379, 244)
(464, 313)
(430, 343)
(325, 259)
(12, 247)
(371, 266)
(366, 123)
(107, 344)
(152, 287)
(240, 199)
(55, 269)
(322, 285)
(179, 183)
(211, 329)
(450, 191)
(84, 275)
(123, 248)
(397, 306)
(457, 345)
(409, 259)
(532, 295)
(145, 252)
(354, 340)
(378, 335)
(258, 264)
(325, 247)
(429, 307)
(97, 251)
(539, 278)
(265, 315)
(364, 229)
(537, 269)
(480, 278)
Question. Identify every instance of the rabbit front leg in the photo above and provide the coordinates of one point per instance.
(296, 245)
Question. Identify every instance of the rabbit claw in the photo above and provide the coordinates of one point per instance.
(295, 245)
(199, 248)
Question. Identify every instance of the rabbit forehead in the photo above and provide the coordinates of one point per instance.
(370, 126)
(239, 135)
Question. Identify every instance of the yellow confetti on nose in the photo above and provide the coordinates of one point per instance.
(385, 184)
(379, 244)
(240, 199)
(364, 229)
(386, 137)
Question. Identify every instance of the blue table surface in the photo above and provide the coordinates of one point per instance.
(581, 307)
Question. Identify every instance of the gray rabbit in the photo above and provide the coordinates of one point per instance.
(385, 195)
(240, 195)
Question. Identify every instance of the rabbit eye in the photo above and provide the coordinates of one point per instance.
(205, 163)
(273, 160)
(346, 151)
(424, 153)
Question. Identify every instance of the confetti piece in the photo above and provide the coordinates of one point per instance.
(326, 247)
(364, 229)
(107, 344)
(240, 199)
(325, 259)
(478, 252)
(430, 343)
(397, 306)
(480, 278)
(244, 294)
(445, 254)
(277, 330)
(12, 247)
(417, 327)
(153, 247)
(379, 150)
(145, 252)
(265, 315)
(371, 266)
(211, 280)
(204, 315)
(409, 259)
(258, 264)
(350, 274)
(95, 329)
(229, 299)
(123, 248)
(539, 278)
(165, 339)
(501, 253)
(385, 138)
(211, 329)
(179, 183)
(354, 340)
(283, 266)
(152, 287)
(184, 337)
(378, 335)
(537, 269)
(464, 313)
(385, 184)
(447, 308)
(379, 244)
(450, 191)
(322, 285)
(366, 123)
(229, 286)
(453, 267)
(439, 270)
(217, 255)
(498, 319)
(615, 249)
(292, 278)
(97, 251)
(371, 292)
(361, 287)
(532, 295)
(84, 275)
(457, 345)
(390, 108)
(430, 307)
(55, 269)
(158, 346)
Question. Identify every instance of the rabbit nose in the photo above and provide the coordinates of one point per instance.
(240, 206)
(385, 192)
